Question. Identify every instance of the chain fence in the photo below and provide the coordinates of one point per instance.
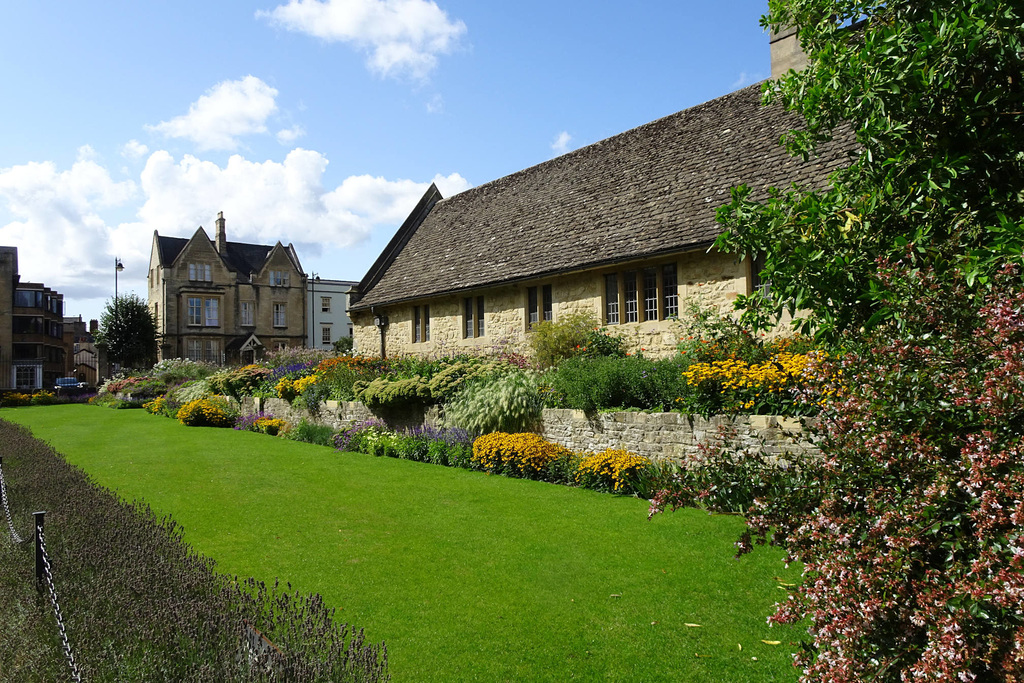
(44, 572)
(48, 577)
(7, 510)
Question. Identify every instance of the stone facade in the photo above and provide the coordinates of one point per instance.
(224, 302)
(716, 279)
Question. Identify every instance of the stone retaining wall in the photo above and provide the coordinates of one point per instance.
(676, 436)
(658, 436)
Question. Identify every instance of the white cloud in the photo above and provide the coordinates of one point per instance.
(58, 227)
(270, 201)
(227, 111)
(289, 135)
(435, 105)
(133, 149)
(561, 143)
(86, 153)
(401, 37)
(64, 239)
(746, 79)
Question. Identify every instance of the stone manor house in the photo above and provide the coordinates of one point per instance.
(621, 229)
(225, 302)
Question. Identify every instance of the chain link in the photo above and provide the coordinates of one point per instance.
(75, 675)
(7, 510)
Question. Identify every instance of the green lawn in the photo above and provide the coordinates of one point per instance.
(464, 575)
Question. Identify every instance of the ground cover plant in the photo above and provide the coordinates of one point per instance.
(465, 576)
(138, 603)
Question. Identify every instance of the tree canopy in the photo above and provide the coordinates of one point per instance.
(128, 329)
(933, 93)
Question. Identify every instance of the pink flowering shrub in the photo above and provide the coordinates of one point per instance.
(910, 526)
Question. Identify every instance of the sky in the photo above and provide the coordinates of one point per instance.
(316, 122)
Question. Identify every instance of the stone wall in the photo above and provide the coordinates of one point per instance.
(676, 436)
(658, 436)
(337, 414)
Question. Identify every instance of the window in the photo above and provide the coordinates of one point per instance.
(248, 307)
(279, 278)
(199, 272)
(212, 313)
(473, 313)
(420, 324)
(538, 307)
(611, 296)
(280, 345)
(195, 311)
(203, 311)
(670, 290)
(25, 376)
(325, 334)
(629, 289)
(759, 284)
(650, 294)
(211, 349)
(28, 299)
(325, 304)
(203, 350)
(22, 324)
(279, 316)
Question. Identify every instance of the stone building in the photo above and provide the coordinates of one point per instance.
(621, 229)
(225, 302)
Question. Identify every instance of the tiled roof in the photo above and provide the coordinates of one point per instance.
(241, 258)
(650, 190)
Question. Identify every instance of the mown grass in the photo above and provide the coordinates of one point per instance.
(465, 576)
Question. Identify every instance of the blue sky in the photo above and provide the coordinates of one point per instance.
(316, 122)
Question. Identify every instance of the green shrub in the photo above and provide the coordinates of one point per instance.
(190, 391)
(238, 382)
(592, 384)
(14, 399)
(310, 432)
(453, 377)
(553, 341)
(506, 402)
(177, 370)
(44, 398)
(383, 393)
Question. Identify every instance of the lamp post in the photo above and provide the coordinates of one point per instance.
(118, 267)
(313, 280)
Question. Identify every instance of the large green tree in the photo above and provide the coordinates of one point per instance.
(128, 329)
(932, 91)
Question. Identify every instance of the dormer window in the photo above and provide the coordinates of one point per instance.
(199, 272)
(279, 278)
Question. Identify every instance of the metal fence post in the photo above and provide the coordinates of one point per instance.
(39, 548)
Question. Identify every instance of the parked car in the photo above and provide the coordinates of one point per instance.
(66, 383)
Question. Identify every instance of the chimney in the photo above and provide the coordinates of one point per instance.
(94, 326)
(786, 52)
(222, 238)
